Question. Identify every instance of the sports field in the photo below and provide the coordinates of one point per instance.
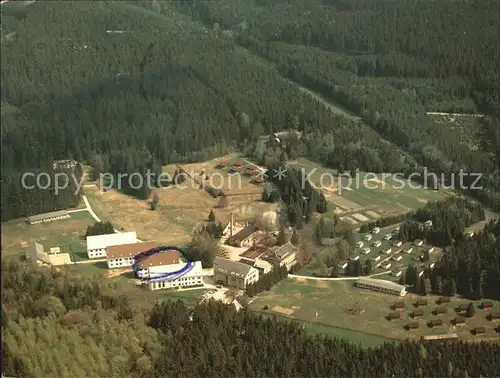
(68, 234)
(340, 304)
(367, 196)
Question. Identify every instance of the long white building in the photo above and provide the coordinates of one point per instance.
(165, 270)
(97, 244)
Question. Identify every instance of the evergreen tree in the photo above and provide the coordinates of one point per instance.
(211, 216)
(471, 311)
(282, 238)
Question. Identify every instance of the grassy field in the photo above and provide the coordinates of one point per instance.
(125, 284)
(180, 208)
(367, 197)
(68, 234)
(300, 299)
(363, 340)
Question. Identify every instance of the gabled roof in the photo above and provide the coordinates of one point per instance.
(169, 257)
(53, 214)
(128, 250)
(34, 250)
(281, 252)
(104, 241)
(245, 233)
(231, 268)
(380, 283)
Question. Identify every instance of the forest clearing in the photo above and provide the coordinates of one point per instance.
(333, 302)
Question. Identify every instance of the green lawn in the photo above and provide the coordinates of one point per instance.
(68, 234)
(301, 299)
(388, 196)
(126, 284)
(363, 340)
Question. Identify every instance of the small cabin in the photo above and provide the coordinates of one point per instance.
(486, 304)
(462, 307)
(343, 265)
(388, 251)
(417, 313)
(221, 164)
(444, 300)
(418, 242)
(479, 330)
(397, 258)
(377, 243)
(377, 258)
(494, 316)
(435, 323)
(412, 325)
(432, 249)
(398, 306)
(421, 302)
(368, 237)
(386, 266)
(388, 237)
(394, 315)
(440, 310)
(376, 230)
(359, 244)
(397, 243)
(408, 250)
(420, 274)
(459, 320)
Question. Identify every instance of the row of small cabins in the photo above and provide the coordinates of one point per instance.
(457, 321)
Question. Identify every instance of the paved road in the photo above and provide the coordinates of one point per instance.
(97, 219)
(336, 278)
(77, 210)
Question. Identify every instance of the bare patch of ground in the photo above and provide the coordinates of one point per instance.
(360, 217)
(344, 203)
(283, 310)
(372, 214)
(348, 220)
(422, 200)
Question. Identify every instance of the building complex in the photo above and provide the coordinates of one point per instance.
(97, 244)
(233, 273)
(54, 256)
(120, 256)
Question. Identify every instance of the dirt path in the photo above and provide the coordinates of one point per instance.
(456, 114)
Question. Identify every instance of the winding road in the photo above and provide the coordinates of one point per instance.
(88, 208)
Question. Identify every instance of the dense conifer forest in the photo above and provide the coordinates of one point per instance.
(129, 86)
(470, 265)
(56, 325)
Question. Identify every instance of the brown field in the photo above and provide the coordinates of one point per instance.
(344, 203)
(348, 220)
(181, 208)
(360, 217)
(372, 214)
